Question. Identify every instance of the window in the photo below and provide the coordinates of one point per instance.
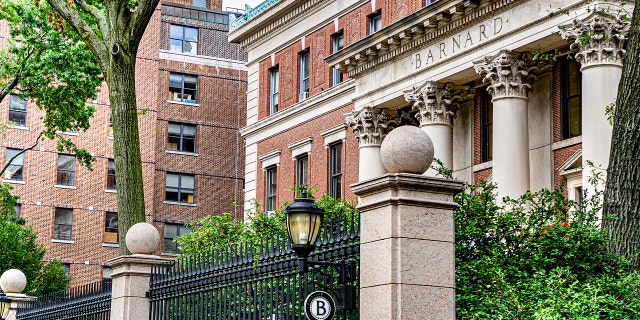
(110, 129)
(429, 2)
(375, 22)
(302, 170)
(172, 231)
(66, 170)
(486, 125)
(183, 39)
(106, 272)
(18, 111)
(183, 87)
(18, 209)
(304, 75)
(67, 269)
(180, 187)
(273, 90)
(570, 92)
(182, 137)
(63, 223)
(337, 43)
(15, 170)
(270, 188)
(110, 228)
(111, 175)
(335, 170)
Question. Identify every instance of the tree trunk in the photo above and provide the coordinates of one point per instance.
(622, 194)
(126, 144)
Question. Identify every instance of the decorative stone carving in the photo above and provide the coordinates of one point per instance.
(13, 281)
(435, 105)
(407, 149)
(507, 75)
(598, 39)
(371, 126)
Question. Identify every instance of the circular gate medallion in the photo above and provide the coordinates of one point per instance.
(319, 305)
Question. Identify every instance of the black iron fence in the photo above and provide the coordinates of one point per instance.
(253, 283)
(88, 302)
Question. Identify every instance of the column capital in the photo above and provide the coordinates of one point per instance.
(598, 39)
(372, 126)
(436, 103)
(506, 75)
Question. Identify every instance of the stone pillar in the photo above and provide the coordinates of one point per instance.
(599, 40)
(131, 274)
(507, 85)
(436, 111)
(12, 283)
(407, 258)
(372, 127)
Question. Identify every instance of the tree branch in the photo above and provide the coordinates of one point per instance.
(21, 152)
(141, 16)
(96, 13)
(95, 44)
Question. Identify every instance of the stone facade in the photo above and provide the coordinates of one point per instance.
(217, 163)
(466, 69)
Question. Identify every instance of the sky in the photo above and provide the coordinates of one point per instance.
(240, 3)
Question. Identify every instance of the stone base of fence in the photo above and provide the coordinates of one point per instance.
(13, 307)
(130, 284)
(407, 261)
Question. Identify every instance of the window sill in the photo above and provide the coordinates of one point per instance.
(65, 187)
(483, 166)
(110, 245)
(180, 203)
(19, 127)
(14, 181)
(184, 103)
(182, 153)
(566, 143)
(71, 133)
(62, 241)
(110, 191)
(110, 137)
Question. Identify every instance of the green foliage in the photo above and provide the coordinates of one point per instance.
(47, 62)
(218, 232)
(537, 257)
(20, 251)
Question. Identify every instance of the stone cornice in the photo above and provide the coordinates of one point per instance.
(429, 23)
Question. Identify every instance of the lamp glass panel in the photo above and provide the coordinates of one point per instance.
(304, 228)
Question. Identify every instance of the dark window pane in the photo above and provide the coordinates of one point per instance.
(15, 169)
(63, 222)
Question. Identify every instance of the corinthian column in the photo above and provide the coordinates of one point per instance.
(599, 41)
(436, 110)
(372, 127)
(507, 85)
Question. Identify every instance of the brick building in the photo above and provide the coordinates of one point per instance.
(191, 84)
(470, 71)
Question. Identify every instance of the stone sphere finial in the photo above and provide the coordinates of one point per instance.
(142, 238)
(407, 149)
(13, 281)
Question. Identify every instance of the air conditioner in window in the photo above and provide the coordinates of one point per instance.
(271, 214)
(303, 96)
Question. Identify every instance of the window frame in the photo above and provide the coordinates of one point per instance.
(335, 169)
(72, 171)
(182, 137)
(375, 22)
(13, 110)
(182, 88)
(19, 158)
(181, 230)
(57, 225)
(182, 39)
(111, 175)
(337, 44)
(302, 170)
(566, 97)
(270, 188)
(109, 217)
(180, 188)
(304, 60)
(274, 89)
(486, 126)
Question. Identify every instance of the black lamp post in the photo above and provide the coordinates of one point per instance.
(5, 304)
(304, 219)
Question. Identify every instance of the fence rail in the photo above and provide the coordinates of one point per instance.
(252, 282)
(88, 302)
